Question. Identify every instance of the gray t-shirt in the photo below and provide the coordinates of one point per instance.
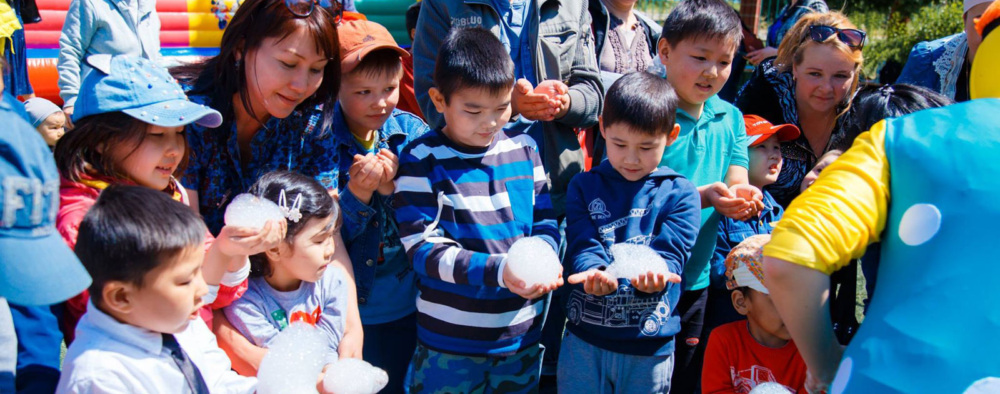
(263, 311)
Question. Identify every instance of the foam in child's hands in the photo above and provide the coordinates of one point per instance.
(770, 388)
(354, 376)
(632, 261)
(251, 211)
(294, 360)
(533, 260)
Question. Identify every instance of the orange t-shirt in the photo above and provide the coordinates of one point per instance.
(736, 363)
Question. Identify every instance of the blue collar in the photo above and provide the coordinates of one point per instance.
(709, 110)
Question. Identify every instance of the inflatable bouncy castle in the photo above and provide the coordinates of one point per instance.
(190, 29)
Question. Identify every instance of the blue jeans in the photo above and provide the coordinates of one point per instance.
(585, 368)
(389, 346)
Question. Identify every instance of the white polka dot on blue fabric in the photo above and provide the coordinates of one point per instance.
(985, 385)
(919, 224)
(843, 376)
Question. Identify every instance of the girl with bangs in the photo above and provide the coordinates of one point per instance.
(275, 81)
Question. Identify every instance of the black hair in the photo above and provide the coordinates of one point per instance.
(643, 101)
(412, 12)
(132, 230)
(221, 76)
(706, 19)
(874, 103)
(86, 150)
(315, 203)
(380, 62)
(473, 58)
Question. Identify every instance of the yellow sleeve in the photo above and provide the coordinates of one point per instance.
(838, 216)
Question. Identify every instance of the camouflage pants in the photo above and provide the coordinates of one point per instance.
(435, 372)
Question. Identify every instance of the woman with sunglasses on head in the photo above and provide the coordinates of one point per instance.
(275, 81)
(810, 84)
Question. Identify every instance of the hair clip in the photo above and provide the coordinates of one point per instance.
(886, 90)
(293, 213)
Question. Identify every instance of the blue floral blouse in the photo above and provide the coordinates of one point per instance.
(293, 143)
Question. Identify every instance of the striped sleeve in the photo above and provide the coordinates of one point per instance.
(431, 252)
(544, 225)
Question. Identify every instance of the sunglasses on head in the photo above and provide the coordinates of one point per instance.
(854, 38)
(304, 8)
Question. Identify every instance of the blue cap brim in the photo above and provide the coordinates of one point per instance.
(176, 113)
(40, 271)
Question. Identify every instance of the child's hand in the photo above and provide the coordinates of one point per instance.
(725, 201)
(533, 105)
(390, 163)
(654, 283)
(365, 174)
(243, 241)
(559, 93)
(750, 194)
(595, 282)
(519, 287)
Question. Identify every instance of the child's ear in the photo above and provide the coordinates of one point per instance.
(117, 297)
(600, 125)
(438, 99)
(663, 50)
(739, 302)
(275, 253)
(673, 134)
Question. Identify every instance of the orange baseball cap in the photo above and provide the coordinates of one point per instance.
(990, 18)
(358, 38)
(759, 130)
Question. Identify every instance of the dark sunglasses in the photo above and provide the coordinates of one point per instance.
(854, 38)
(304, 8)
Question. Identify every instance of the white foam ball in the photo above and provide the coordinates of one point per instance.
(248, 210)
(770, 388)
(354, 376)
(294, 361)
(533, 260)
(632, 261)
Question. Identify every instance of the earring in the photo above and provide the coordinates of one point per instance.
(238, 63)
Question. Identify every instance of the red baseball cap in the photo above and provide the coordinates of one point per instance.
(759, 130)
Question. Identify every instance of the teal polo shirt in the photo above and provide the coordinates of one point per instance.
(703, 152)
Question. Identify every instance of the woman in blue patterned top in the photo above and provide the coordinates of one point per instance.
(275, 81)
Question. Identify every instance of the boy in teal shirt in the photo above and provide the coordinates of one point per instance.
(697, 46)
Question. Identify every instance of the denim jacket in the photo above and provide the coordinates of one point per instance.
(563, 51)
(732, 232)
(936, 64)
(367, 227)
(104, 27)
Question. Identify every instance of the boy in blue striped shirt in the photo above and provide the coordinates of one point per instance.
(464, 194)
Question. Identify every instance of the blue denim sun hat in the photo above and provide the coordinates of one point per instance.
(140, 88)
(36, 265)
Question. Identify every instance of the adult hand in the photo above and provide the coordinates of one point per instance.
(654, 283)
(595, 282)
(390, 164)
(519, 287)
(365, 174)
(762, 54)
(530, 104)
